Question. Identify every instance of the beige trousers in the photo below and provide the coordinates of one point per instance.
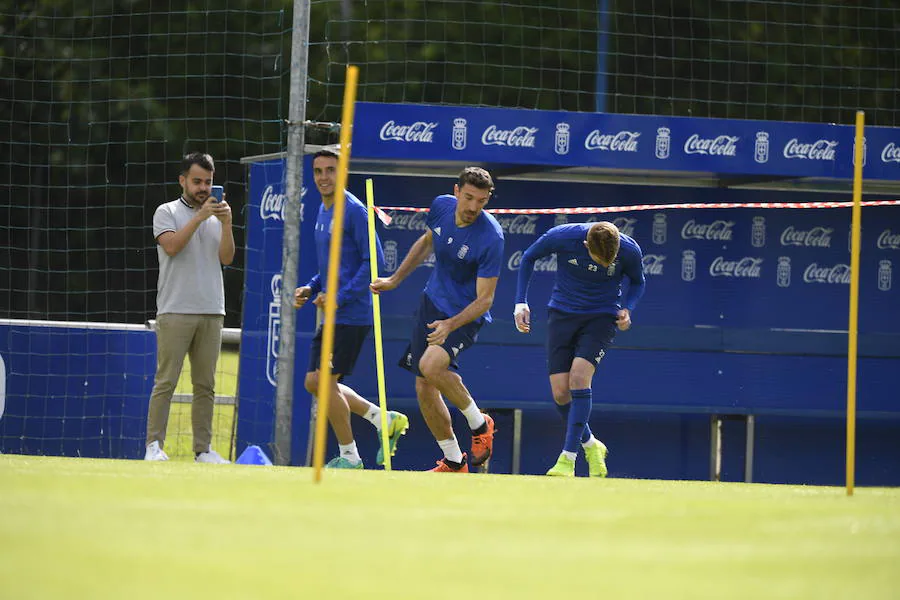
(200, 338)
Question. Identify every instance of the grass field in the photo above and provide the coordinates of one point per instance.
(82, 528)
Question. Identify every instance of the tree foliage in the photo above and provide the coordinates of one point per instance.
(102, 98)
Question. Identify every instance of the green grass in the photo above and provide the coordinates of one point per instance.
(82, 528)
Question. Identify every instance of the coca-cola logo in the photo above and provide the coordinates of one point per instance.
(717, 230)
(271, 205)
(546, 264)
(519, 224)
(818, 150)
(891, 153)
(518, 137)
(723, 145)
(623, 224)
(623, 141)
(407, 221)
(839, 273)
(889, 240)
(748, 266)
(653, 264)
(420, 132)
(818, 237)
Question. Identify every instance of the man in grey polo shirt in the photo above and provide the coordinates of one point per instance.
(194, 239)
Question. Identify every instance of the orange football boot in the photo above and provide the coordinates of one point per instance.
(483, 444)
(443, 467)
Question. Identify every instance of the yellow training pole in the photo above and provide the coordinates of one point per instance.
(853, 328)
(334, 259)
(376, 315)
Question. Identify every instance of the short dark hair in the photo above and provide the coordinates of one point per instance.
(603, 241)
(326, 152)
(477, 177)
(201, 159)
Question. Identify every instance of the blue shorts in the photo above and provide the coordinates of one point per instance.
(457, 342)
(348, 341)
(573, 334)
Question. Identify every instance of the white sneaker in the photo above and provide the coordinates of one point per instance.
(211, 456)
(154, 452)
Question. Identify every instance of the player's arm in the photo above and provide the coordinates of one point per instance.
(633, 269)
(420, 250)
(358, 284)
(310, 290)
(485, 287)
(540, 248)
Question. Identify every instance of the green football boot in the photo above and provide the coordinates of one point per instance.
(398, 423)
(596, 459)
(564, 467)
(339, 462)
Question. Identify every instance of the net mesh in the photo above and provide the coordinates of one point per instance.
(101, 100)
(807, 60)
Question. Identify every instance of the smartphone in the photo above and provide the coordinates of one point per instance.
(218, 193)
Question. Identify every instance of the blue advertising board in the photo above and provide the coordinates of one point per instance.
(624, 142)
(739, 267)
(261, 325)
(76, 389)
(745, 307)
(749, 304)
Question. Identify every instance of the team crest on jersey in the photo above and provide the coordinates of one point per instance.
(463, 250)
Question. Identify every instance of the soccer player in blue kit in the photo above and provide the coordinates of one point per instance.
(584, 310)
(353, 318)
(468, 249)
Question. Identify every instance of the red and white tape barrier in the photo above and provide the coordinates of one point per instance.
(590, 210)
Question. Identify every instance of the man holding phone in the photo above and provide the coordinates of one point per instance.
(194, 239)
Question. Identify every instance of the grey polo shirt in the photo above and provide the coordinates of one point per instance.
(191, 281)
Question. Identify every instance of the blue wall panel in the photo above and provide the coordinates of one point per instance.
(76, 391)
(743, 314)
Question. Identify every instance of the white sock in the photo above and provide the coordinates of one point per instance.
(350, 452)
(569, 455)
(591, 442)
(451, 450)
(374, 417)
(473, 416)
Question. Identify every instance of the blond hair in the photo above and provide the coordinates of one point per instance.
(603, 241)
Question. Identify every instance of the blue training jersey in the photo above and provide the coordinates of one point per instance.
(582, 285)
(354, 298)
(461, 256)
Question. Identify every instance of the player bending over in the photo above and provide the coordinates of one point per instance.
(584, 310)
